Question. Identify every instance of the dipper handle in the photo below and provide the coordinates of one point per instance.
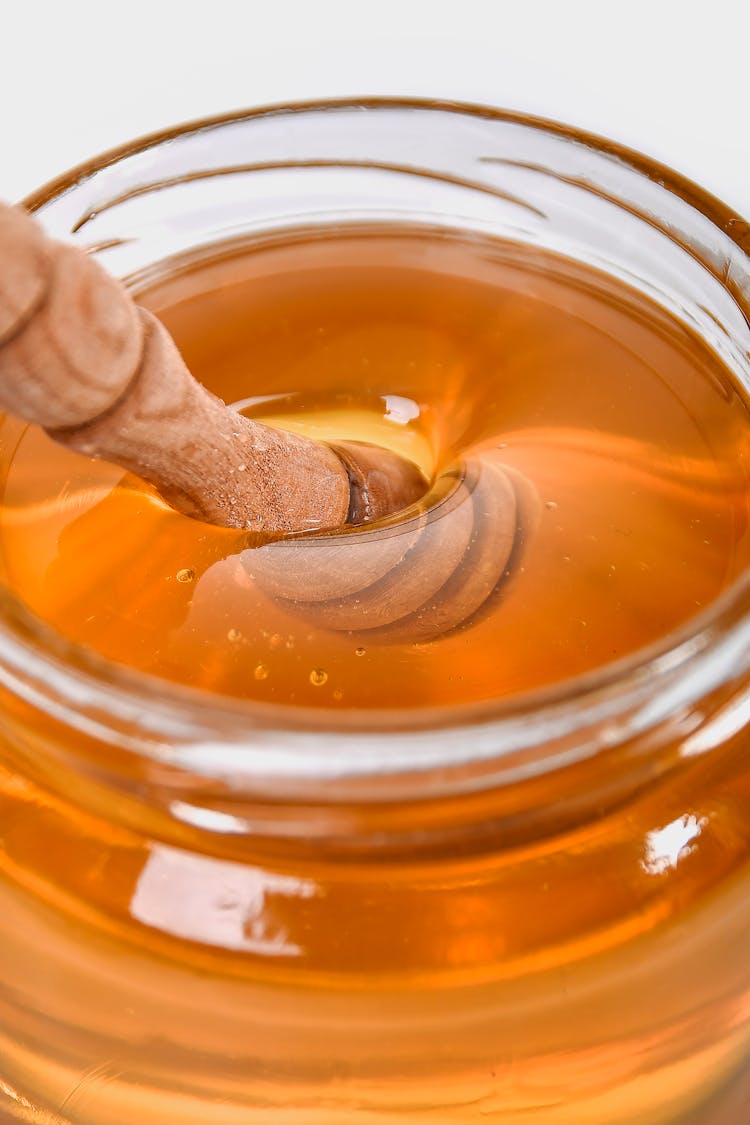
(79, 358)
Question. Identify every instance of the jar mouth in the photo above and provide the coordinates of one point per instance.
(237, 741)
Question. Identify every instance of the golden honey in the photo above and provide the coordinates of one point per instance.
(564, 946)
(629, 430)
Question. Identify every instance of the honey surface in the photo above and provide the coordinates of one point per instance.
(628, 429)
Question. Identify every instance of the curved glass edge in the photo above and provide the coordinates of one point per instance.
(236, 744)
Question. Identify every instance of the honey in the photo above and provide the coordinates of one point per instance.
(564, 945)
(628, 429)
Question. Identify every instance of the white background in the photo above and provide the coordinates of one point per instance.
(670, 78)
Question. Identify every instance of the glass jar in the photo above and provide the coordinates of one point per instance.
(219, 913)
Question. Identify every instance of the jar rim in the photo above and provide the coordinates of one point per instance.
(221, 737)
(718, 212)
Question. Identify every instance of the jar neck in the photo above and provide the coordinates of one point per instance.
(535, 772)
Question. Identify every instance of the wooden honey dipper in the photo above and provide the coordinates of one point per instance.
(103, 376)
(415, 577)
